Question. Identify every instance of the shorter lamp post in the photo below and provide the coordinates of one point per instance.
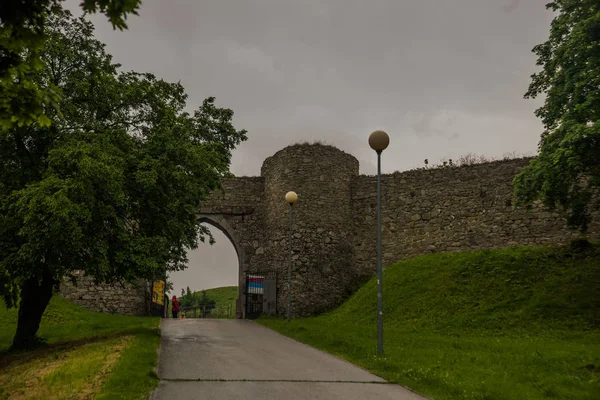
(379, 141)
(291, 198)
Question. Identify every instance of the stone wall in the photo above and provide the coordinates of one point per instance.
(322, 236)
(334, 228)
(237, 210)
(450, 209)
(117, 298)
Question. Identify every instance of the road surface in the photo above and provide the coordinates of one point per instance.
(205, 359)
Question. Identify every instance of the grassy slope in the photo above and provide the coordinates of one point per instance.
(110, 356)
(519, 323)
(224, 297)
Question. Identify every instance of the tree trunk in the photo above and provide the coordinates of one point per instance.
(35, 297)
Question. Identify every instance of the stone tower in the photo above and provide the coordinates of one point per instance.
(322, 261)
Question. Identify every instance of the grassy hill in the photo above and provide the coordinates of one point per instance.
(224, 297)
(517, 323)
(88, 355)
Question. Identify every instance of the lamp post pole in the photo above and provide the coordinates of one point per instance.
(379, 141)
(379, 266)
(291, 198)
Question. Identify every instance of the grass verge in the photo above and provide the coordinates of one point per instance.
(134, 376)
(88, 355)
(518, 323)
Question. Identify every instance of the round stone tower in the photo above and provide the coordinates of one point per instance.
(322, 260)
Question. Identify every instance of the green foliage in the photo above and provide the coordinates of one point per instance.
(470, 159)
(24, 100)
(205, 300)
(113, 185)
(516, 323)
(566, 173)
(196, 299)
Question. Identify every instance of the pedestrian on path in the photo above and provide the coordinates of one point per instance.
(175, 304)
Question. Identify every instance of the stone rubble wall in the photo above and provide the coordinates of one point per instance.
(321, 244)
(334, 230)
(450, 209)
(123, 299)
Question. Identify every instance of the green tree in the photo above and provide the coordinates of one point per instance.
(187, 297)
(23, 99)
(168, 286)
(112, 186)
(566, 172)
(206, 303)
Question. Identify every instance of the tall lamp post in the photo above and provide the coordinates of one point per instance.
(379, 141)
(291, 198)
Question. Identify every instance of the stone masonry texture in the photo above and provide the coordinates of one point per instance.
(334, 227)
(118, 298)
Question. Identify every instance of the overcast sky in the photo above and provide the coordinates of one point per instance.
(443, 78)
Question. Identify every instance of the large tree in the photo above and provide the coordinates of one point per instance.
(112, 186)
(566, 172)
(22, 36)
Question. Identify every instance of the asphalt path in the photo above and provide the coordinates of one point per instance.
(211, 359)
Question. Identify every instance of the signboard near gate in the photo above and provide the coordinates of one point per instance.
(260, 293)
(158, 292)
(256, 284)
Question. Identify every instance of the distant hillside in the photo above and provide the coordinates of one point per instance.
(224, 298)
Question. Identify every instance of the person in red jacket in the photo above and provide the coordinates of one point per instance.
(175, 304)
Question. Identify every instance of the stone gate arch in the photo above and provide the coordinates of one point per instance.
(220, 222)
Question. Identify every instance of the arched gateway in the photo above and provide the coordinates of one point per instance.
(220, 222)
(334, 230)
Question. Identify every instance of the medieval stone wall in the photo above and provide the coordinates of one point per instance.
(334, 225)
(118, 298)
(450, 209)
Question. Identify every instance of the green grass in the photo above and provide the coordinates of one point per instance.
(88, 354)
(517, 323)
(134, 376)
(225, 298)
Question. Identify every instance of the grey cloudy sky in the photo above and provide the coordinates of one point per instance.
(443, 78)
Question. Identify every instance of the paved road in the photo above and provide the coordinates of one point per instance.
(239, 359)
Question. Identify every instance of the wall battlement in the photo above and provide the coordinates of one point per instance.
(334, 230)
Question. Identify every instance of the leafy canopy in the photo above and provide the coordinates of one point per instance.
(22, 36)
(113, 184)
(566, 172)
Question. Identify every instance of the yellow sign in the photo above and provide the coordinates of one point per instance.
(158, 292)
